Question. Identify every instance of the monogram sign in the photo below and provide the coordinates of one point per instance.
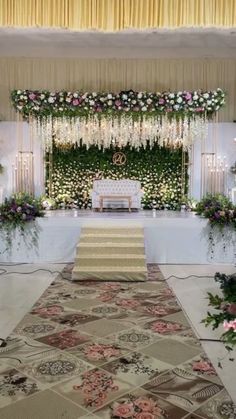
(119, 158)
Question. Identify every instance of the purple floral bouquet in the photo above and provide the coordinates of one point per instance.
(15, 213)
(218, 209)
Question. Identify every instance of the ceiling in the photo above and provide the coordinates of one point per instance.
(192, 43)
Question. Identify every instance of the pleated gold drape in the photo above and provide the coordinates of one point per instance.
(115, 15)
(115, 75)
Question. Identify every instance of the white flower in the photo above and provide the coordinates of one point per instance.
(140, 95)
(179, 100)
(110, 102)
(209, 102)
(94, 94)
(171, 95)
(18, 92)
(91, 102)
(19, 107)
(75, 95)
(60, 109)
(134, 101)
(124, 97)
(201, 100)
(172, 102)
(109, 96)
(68, 99)
(144, 108)
(176, 107)
(51, 99)
(195, 97)
(206, 95)
(179, 93)
(149, 101)
(42, 96)
(61, 99)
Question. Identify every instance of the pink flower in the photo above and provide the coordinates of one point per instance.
(165, 328)
(32, 96)
(229, 325)
(204, 366)
(161, 101)
(188, 96)
(124, 410)
(127, 303)
(75, 102)
(156, 310)
(145, 404)
(117, 102)
(199, 109)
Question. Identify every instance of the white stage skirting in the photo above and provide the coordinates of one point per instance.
(170, 237)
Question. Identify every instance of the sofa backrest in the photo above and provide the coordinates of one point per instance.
(116, 187)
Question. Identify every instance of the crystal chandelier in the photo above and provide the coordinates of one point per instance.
(119, 131)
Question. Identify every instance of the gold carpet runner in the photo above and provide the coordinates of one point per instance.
(110, 254)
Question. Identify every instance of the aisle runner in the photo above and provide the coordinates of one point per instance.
(115, 350)
(111, 254)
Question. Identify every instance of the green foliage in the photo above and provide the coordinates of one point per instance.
(158, 170)
(210, 203)
(224, 309)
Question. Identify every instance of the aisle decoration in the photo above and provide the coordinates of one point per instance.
(18, 214)
(224, 309)
(172, 119)
(221, 214)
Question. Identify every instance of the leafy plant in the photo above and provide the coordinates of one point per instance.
(224, 309)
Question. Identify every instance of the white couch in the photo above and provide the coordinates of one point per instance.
(124, 187)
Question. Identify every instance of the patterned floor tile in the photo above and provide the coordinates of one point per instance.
(93, 389)
(43, 405)
(60, 366)
(171, 351)
(81, 304)
(183, 389)
(136, 368)
(219, 407)
(201, 366)
(98, 351)
(74, 319)
(103, 327)
(141, 405)
(34, 327)
(135, 338)
(66, 339)
(20, 351)
(15, 385)
(165, 328)
(109, 311)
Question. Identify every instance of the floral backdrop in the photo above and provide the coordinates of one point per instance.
(158, 169)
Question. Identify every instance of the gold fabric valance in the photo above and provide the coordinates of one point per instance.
(91, 75)
(116, 15)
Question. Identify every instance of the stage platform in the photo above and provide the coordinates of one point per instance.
(171, 237)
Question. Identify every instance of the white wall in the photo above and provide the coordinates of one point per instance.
(226, 132)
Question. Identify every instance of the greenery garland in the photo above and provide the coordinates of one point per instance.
(40, 103)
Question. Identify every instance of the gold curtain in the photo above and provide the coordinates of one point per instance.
(115, 75)
(116, 15)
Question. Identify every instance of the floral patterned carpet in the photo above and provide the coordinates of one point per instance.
(108, 350)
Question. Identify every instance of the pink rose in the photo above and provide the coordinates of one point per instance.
(204, 366)
(229, 325)
(146, 415)
(127, 303)
(188, 96)
(161, 101)
(75, 102)
(117, 103)
(124, 410)
(32, 96)
(145, 404)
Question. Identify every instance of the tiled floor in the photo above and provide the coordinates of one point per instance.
(119, 350)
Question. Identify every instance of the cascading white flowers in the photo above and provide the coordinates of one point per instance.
(131, 118)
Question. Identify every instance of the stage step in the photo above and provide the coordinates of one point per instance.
(110, 254)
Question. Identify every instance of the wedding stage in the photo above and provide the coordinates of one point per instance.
(171, 237)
